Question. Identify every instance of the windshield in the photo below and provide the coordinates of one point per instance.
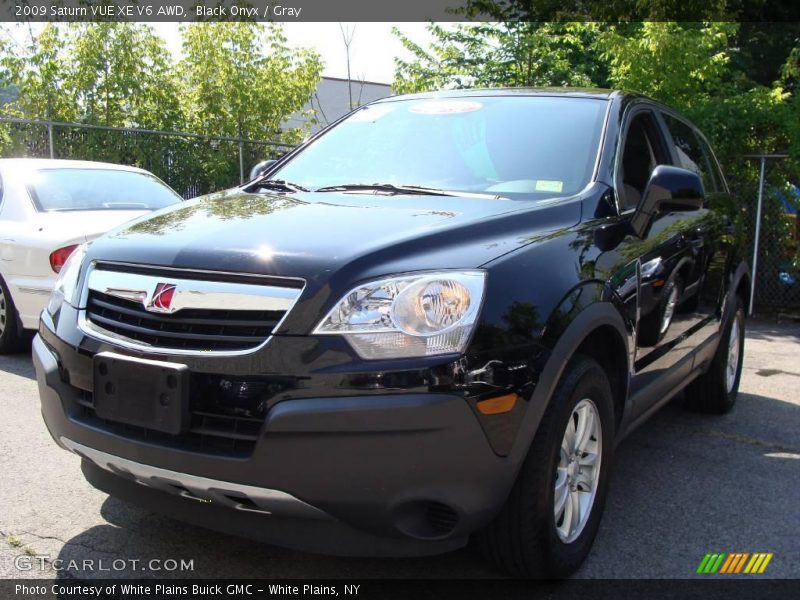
(98, 189)
(528, 146)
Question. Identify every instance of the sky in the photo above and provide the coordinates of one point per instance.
(372, 50)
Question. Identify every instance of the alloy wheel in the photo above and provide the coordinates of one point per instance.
(578, 471)
(734, 353)
(3, 311)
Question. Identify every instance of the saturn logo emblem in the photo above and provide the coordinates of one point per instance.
(161, 300)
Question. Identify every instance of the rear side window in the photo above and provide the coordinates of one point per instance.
(98, 189)
(693, 152)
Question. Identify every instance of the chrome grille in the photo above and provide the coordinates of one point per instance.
(188, 329)
(203, 315)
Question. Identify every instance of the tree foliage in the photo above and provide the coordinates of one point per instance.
(516, 53)
(40, 77)
(121, 75)
(243, 80)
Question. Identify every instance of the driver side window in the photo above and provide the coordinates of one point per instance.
(643, 150)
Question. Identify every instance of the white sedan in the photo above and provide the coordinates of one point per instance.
(47, 209)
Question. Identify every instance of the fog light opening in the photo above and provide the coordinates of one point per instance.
(427, 519)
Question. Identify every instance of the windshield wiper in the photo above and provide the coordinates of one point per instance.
(280, 185)
(390, 188)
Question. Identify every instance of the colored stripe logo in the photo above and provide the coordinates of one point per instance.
(734, 562)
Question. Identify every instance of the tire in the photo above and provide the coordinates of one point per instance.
(715, 391)
(525, 539)
(9, 329)
(653, 329)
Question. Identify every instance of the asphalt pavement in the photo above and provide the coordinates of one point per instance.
(683, 485)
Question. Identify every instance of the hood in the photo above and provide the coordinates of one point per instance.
(314, 235)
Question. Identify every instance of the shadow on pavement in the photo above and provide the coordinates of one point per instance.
(763, 329)
(19, 363)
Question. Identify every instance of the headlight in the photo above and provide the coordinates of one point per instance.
(66, 284)
(412, 315)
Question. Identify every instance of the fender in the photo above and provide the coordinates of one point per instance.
(595, 315)
(742, 272)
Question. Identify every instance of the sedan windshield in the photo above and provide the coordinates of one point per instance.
(98, 189)
(512, 146)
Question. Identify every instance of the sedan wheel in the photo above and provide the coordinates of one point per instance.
(3, 311)
(9, 337)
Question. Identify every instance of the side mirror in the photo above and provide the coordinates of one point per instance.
(669, 188)
(261, 168)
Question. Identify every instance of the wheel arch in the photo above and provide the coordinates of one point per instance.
(607, 347)
(590, 333)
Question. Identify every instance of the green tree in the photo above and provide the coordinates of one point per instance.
(680, 64)
(512, 53)
(7, 89)
(115, 74)
(689, 66)
(41, 76)
(122, 75)
(241, 79)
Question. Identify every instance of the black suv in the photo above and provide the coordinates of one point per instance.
(435, 319)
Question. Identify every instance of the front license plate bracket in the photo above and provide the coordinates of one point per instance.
(146, 393)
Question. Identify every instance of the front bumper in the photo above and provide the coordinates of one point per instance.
(389, 474)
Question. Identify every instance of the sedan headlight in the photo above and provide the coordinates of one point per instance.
(411, 315)
(66, 285)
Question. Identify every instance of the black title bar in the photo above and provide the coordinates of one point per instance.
(393, 11)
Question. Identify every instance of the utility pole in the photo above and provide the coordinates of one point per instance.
(50, 126)
(241, 152)
(763, 158)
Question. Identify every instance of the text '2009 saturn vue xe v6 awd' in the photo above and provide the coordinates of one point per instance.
(433, 321)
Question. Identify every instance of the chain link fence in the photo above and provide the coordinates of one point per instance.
(191, 164)
(777, 286)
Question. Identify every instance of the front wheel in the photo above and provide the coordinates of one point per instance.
(716, 390)
(551, 517)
